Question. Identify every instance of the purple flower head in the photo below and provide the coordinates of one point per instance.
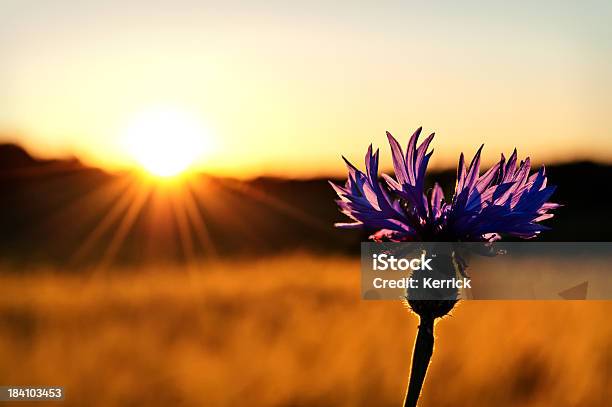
(505, 200)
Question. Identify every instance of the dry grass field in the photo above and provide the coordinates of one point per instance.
(286, 331)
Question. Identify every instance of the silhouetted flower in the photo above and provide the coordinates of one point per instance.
(505, 200)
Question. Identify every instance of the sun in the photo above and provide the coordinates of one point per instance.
(165, 141)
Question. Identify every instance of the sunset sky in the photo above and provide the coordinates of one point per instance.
(284, 89)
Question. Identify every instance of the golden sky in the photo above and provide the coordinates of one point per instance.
(284, 89)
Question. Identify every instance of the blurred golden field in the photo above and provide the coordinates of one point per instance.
(286, 331)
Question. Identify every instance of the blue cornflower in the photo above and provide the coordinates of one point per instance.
(505, 200)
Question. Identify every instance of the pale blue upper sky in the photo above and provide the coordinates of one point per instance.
(285, 87)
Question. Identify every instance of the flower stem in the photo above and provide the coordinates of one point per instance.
(423, 349)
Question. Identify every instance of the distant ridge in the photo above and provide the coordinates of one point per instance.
(49, 207)
(13, 156)
(14, 159)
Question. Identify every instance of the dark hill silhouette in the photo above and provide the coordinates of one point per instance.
(16, 161)
(12, 157)
(49, 210)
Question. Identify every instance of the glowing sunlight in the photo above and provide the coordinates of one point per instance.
(165, 141)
